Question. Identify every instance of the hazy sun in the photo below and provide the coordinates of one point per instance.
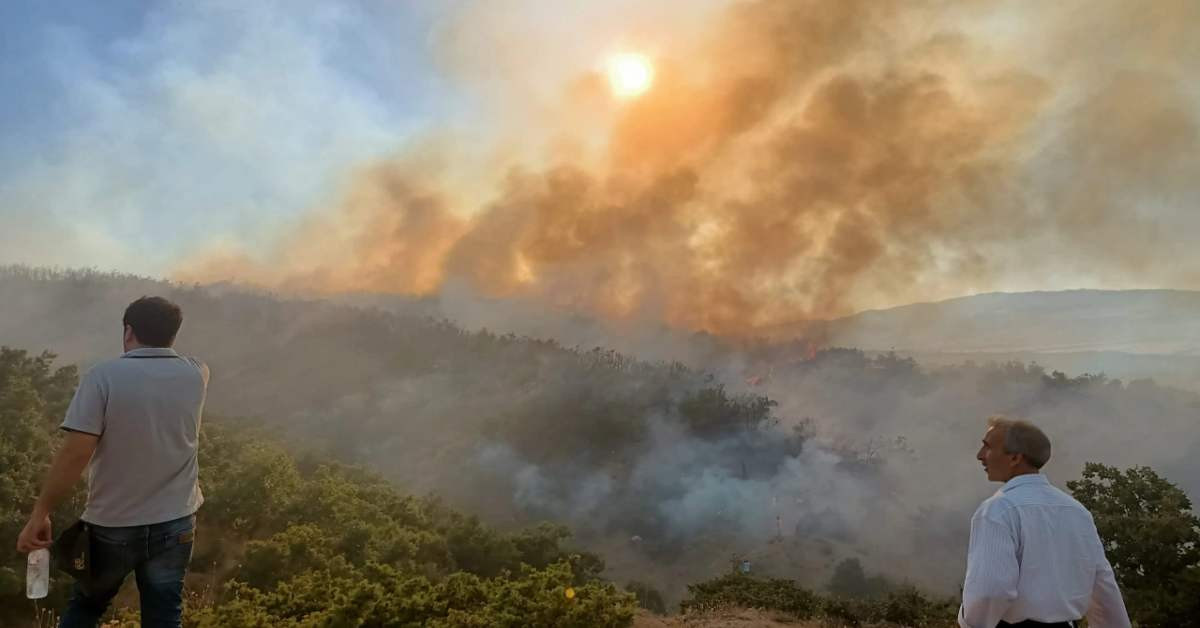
(629, 74)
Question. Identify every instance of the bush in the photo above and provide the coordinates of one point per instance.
(910, 607)
(355, 552)
(738, 590)
(905, 606)
(849, 579)
(33, 398)
(378, 595)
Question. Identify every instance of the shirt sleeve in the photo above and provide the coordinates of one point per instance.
(86, 412)
(992, 573)
(1107, 609)
(202, 368)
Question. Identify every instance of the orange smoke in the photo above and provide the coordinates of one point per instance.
(808, 158)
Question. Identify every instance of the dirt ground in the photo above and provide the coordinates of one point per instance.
(735, 618)
(741, 618)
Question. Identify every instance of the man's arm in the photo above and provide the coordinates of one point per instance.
(74, 454)
(992, 573)
(1107, 609)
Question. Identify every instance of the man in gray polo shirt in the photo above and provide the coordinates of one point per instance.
(137, 420)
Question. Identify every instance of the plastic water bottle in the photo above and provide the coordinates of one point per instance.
(37, 574)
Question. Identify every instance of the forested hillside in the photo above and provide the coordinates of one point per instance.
(309, 542)
(793, 457)
(303, 541)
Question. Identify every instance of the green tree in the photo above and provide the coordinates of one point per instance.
(1152, 539)
(33, 398)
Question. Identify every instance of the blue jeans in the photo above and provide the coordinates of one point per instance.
(158, 555)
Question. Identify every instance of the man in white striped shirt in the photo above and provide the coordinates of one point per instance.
(1035, 558)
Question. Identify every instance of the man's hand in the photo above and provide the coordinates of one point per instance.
(36, 534)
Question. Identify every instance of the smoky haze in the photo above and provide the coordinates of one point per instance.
(787, 456)
(792, 161)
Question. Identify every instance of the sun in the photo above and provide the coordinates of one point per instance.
(629, 74)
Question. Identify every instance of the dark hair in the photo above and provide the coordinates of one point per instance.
(154, 320)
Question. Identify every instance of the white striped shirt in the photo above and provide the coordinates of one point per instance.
(1035, 554)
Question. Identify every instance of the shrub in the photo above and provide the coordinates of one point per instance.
(905, 606)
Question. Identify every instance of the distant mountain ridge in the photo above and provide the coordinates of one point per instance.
(1147, 322)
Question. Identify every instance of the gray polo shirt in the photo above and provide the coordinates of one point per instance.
(145, 406)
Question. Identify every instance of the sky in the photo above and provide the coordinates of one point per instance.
(791, 160)
(134, 132)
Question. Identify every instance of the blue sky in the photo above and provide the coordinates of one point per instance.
(131, 132)
(135, 134)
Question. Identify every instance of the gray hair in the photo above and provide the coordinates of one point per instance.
(1025, 438)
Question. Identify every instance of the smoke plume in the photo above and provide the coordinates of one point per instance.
(792, 160)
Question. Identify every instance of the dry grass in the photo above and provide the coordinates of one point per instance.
(736, 618)
(739, 618)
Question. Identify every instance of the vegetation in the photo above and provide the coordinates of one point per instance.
(315, 543)
(905, 606)
(659, 463)
(648, 597)
(850, 580)
(33, 398)
(1151, 537)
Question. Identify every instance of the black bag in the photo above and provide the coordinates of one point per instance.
(72, 552)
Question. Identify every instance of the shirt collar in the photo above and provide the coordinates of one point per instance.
(148, 351)
(1022, 480)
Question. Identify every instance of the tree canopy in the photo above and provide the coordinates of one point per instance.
(1151, 537)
